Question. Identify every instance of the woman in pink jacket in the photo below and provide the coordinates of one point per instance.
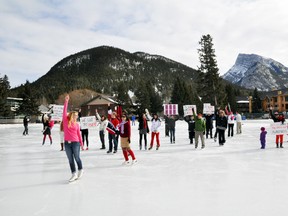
(72, 140)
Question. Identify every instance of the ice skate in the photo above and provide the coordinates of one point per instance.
(73, 177)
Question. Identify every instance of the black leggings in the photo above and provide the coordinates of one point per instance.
(84, 134)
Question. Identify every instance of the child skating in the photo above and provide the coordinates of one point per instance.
(263, 137)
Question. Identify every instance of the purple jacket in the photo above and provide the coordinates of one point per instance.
(263, 136)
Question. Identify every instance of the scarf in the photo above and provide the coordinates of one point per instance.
(122, 126)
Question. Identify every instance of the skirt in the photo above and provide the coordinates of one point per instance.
(143, 131)
(124, 142)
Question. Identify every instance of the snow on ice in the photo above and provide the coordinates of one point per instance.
(238, 179)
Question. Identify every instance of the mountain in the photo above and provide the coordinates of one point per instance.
(253, 71)
(103, 68)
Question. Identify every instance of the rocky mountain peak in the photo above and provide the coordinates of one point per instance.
(254, 71)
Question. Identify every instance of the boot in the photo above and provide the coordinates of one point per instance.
(62, 147)
(277, 145)
(281, 146)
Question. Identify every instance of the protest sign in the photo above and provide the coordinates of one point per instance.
(170, 109)
(57, 112)
(208, 109)
(188, 109)
(278, 128)
(87, 122)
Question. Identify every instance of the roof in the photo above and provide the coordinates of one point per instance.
(273, 93)
(100, 99)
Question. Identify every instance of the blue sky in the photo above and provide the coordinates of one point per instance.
(36, 34)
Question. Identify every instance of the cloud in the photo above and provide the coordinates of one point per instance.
(35, 35)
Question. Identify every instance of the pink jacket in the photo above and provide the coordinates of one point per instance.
(71, 133)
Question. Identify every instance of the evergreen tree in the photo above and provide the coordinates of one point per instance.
(231, 97)
(4, 91)
(209, 83)
(256, 101)
(156, 104)
(183, 94)
(148, 98)
(122, 95)
(29, 105)
(143, 97)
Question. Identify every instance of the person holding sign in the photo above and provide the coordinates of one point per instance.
(171, 123)
(200, 126)
(72, 140)
(84, 132)
(102, 128)
(278, 118)
(191, 127)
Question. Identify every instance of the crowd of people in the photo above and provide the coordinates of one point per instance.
(118, 124)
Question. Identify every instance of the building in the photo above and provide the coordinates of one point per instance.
(100, 102)
(14, 103)
(278, 99)
(244, 105)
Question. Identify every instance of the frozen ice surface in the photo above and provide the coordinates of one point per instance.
(238, 179)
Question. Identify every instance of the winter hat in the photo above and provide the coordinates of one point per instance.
(276, 113)
(262, 128)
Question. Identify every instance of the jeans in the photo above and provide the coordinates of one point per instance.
(230, 129)
(172, 135)
(73, 152)
(102, 138)
(221, 134)
(25, 130)
(113, 137)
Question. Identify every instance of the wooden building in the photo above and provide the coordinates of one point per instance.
(100, 102)
(278, 99)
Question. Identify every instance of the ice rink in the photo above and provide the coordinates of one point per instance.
(238, 179)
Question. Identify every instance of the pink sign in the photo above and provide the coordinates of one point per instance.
(170, 109)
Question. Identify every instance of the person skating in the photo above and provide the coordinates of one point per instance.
(61, 134)
(221, 125)
(143, 130)
(72, 140)
(25, 124)
(238, 123)
(125, 137)
(84, 132)
(263, 137)
(155, 125)
(114, 132)
(231, 122)
(171, 123)
(102, 128)
(278, 118)
(191, 127)
(209, 125)
(48, 125)
(200, 126)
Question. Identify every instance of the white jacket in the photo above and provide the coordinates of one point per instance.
(103, 124)
(155, 123)
(231, 119)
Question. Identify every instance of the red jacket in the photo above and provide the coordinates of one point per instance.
(125, 129)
